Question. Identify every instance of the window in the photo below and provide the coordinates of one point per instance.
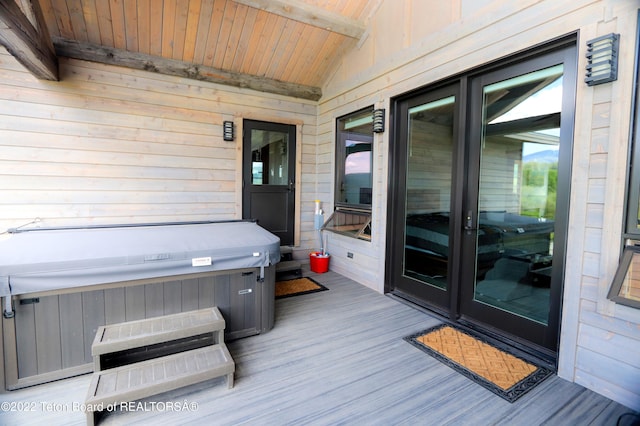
(625, 288)
(633, 197)
(351, 223)
(354, 160)
(354, 175)
(626, 284)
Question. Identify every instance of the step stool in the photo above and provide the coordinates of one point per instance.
(287, 264)
(113, 383)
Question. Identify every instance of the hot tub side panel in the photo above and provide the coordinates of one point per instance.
(51, 334)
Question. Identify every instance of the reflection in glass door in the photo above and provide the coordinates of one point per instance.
(425, 225)
(516, 202)
(428, 191)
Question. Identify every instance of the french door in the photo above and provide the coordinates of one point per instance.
(478, 218)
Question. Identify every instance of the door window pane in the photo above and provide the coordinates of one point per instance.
(269, 157)
(517, 193)
(428, 191)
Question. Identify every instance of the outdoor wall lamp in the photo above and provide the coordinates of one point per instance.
(228, 133)
(602, 59)
(378, 120)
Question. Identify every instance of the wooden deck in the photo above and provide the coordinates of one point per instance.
(334, 357)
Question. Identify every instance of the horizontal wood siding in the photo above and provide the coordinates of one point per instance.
(465, 35)
(111, 145)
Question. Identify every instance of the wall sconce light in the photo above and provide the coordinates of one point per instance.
(378, 120)
(602, 57)
(228, 133)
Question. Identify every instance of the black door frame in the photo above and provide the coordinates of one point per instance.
(460, 182)
(435, 298)
(287, 236)
(546, 336)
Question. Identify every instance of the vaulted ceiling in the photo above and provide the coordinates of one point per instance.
(281, 46)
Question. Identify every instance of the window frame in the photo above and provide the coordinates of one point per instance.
(632, 228)
(351, 219)
(631, 231)
(621, 276)
(340, 158)
(350, 222)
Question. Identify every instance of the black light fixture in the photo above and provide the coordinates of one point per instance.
(228, 133)
(602, 57)
(378, 120)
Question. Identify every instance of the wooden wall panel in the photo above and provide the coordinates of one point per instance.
(104, 24)
(48, 333)
(114, 312)
(206, 292)
(111, 145)
(173, 297)
(190, 294)
(26, 341)
(155, 29)
(72, 338)
(119, 27)
(203, 27)
(93, 316)
(134, 303)
(153, 300)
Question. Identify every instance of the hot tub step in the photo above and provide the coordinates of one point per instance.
(110, 388)
(153, 331)
(288, 265)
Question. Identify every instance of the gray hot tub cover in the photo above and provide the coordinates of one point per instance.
(50, 259)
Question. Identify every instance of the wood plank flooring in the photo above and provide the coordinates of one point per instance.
(334, 357)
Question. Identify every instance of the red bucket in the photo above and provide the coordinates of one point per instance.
(319, 262)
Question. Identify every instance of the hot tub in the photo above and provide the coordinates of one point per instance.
(59, 285)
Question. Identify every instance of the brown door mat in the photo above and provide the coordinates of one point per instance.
(497, 369)
(297, 286)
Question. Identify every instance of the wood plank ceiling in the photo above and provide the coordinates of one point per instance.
(281, 46)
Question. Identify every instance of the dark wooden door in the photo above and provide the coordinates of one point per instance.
(269, 177)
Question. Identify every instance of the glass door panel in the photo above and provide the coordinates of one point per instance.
(429, 165)
(516, 203)
(269, 157)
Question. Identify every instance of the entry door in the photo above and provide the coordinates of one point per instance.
(426, 232)
(481, 194)
(269, 177)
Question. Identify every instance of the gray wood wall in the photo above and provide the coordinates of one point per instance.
(114, 145)
(418, 44)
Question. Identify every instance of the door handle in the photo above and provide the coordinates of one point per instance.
(468, 223)
(291, 186)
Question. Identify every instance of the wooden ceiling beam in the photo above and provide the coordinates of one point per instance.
(28, 42)
(311, 15)
(140, 61)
